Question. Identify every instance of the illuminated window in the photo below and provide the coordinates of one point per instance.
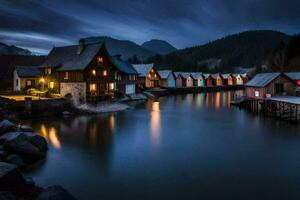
(28, 83)
(93, 87)
(100, 60)
(66, 75)
(51, 85)
(111, 86)
(149, 75)
(104, 72)
(257, 93)
(94, 72)
(155, 75)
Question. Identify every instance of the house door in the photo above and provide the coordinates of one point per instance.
(279, 89)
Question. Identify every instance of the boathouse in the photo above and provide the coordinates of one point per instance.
(26, 77)
(167, 79)
(217, 79)
(238, 79)
(208, 80)
(148, 76)
(199, 79)
(228, 79)
(188, 78)
(88, 72)
(180, 80)
(266, 85)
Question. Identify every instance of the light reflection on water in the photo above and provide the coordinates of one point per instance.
(195, 142)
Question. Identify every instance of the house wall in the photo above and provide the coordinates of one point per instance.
(201, 82)
(76, 89)
(22, 83)
(16, 82)
(239, 80)
(209, 81)
(288, 87)
(219, 81)
(230, 80)
(178, 82)
(163, 83)
(189, 82)
(171, 81)
(152, 79)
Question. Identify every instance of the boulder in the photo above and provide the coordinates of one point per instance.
(6, 126)
(26, 128)
(29, 146)
(6, 195)
(14, 159)
(55, 192)
(12, 180)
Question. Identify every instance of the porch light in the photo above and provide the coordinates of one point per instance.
(42, 80)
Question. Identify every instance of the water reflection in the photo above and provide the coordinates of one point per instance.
(155, 123)
(50, 134)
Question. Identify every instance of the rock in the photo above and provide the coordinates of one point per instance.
(56, 193)
(6, 195)
(3, 154)
(29, 146)
(14, 159)
(6, 126)
(12, 180)
(26, 128)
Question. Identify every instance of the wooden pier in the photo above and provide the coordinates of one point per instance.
(284, 108)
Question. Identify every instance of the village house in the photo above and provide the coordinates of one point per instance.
(238, 79)
(265, 85)
(208, 80)
(218, 79)
(295, 76)
(148, 76)
(88, 72)
(188, 78)
(167, 79)
(199, 79)
(180, 80)
(26, 77)
(228, 79)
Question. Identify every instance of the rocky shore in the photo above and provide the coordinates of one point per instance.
(20, 147)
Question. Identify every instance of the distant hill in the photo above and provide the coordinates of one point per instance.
(159, 46)
(126, 48)
(246, 49)
(12, 50)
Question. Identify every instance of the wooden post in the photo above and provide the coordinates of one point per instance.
(28, 105)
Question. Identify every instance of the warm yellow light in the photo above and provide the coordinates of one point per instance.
(66, 75)
(149, 75)
(94, 72)
(155, 75)
(105, 73)
(100, 60)
(54, 138)
(111, 86)
(51, 85)
(42, 80)
(93, 87)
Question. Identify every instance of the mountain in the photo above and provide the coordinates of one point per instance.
(125, 48)
(12, 50)
(159, 46)
(246, 49)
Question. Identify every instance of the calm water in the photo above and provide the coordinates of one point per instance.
(182, 147)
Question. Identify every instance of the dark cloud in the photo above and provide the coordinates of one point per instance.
(40, 24)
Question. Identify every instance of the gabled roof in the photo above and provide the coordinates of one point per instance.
(164, 74)
(197, 75)
(225, 76)
(293, 75)
(185, 74)
(206, 75)
(262, 79)
(67, 58)
(143, 69)
(123, 66)
(214, 76)
(177, 74)
(31, 72)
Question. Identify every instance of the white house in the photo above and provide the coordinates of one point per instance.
(25, 78)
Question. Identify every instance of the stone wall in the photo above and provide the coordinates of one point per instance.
(77, 90)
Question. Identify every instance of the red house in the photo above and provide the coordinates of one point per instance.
(208, 80)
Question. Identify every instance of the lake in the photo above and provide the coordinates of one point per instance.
(192, 146)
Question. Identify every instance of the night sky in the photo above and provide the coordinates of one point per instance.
(40, 24)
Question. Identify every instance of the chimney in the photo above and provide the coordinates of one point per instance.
(81, 46)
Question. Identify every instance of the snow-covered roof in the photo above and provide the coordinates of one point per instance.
(143, 69)
(185, 74)
(214, 76)
(164, 74)
(196, 75)
(225, 76)
(262, 79)
(293, 75)
(206, 75)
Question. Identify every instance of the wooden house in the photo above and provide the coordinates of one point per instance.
(245, 78)
(88, 72)
(228, 79)
(208, 80)
(266, 85)
(148, 76)
(295, 76)
(218, 79)
(167, 79)
(180, 80)
(238, 79)
(26, 77)
(187, 76)
(199, 79)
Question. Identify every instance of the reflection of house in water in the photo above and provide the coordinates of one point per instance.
(50, 134)
(155, 123)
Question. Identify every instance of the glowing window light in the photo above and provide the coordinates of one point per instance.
(111, 86)
(104, 72)
(94, 72)
(51, 85)
(93, 87)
